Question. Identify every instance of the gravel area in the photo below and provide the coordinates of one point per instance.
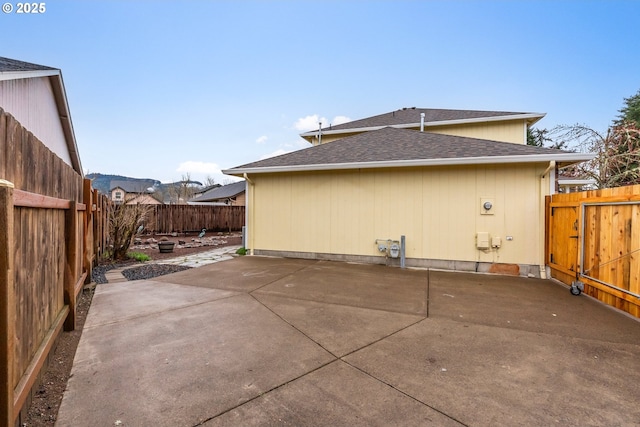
(154, 270)
(150, 271)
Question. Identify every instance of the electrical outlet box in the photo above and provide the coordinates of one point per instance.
(482, 240)
(496, 242)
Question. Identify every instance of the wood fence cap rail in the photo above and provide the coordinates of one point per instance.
(5, 183)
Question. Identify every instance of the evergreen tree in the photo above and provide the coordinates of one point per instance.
(630, 112)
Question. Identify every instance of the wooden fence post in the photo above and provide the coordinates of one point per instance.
(96, 213)
(87, 244)
(71, 268)
(7, 303)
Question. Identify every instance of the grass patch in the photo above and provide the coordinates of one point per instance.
(138, 256)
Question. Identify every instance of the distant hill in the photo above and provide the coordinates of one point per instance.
(102, 182)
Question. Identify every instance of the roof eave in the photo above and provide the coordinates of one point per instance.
(531, 118)
(576, 181)
(15, 75)
(64, 114)
(564, 159)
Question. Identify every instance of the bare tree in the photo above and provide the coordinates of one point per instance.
(209, 182)
(124, 221)
(617, 152)
(544, 138)
(183, 190)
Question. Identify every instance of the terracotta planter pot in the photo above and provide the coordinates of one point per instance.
(166, 247)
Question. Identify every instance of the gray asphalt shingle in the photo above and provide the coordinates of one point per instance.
(412, 116)
(393, 144)
(8, 64)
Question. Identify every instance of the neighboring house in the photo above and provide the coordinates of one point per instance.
(131, 192)
(230, 195)
(571, 183)
(35, 95)
(462, 202)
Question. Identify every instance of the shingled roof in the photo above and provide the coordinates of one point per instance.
(393, 147)
(138, 186)
(410, 117)
(9, 65)
(224, 192)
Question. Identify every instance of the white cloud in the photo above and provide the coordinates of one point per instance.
(308, 123)
(198, 167)
(262, 139)
(338, 120)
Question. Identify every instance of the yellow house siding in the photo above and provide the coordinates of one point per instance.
(438, 210)
(270, 212)
(332, 137)
(504, 131)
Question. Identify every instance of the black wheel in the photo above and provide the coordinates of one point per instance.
(575, 290)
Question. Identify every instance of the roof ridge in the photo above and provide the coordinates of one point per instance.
(412, 116)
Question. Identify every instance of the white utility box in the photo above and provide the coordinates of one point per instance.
(482, 240)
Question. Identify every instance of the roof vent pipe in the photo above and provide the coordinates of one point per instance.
(319, 133)
(421, 122)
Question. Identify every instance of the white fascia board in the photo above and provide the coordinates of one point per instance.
(534, 117)
(458, 161)
(576, 181)
(15, 75)
(65, 118)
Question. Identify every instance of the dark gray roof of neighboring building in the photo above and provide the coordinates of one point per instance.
(411, 116)
(131, 186)
(8, 64)
(224, 192)
(390, 146)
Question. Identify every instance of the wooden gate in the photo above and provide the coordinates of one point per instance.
(564, 238)
(594, 236)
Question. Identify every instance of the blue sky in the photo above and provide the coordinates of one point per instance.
(159, 89)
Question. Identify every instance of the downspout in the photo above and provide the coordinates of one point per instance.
(248, 218)
(551, 167)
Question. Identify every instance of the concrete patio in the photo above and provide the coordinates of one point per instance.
(259, 341)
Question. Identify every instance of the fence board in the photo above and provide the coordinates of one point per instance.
(7, 302)
(634, 265)
(190, 218)
(44, 224)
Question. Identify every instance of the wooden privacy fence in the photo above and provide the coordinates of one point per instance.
(185, 218)
(48, 219)
(594, 237)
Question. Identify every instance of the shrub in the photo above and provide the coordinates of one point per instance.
(124, 220)
(138, 256)
(241, 251)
